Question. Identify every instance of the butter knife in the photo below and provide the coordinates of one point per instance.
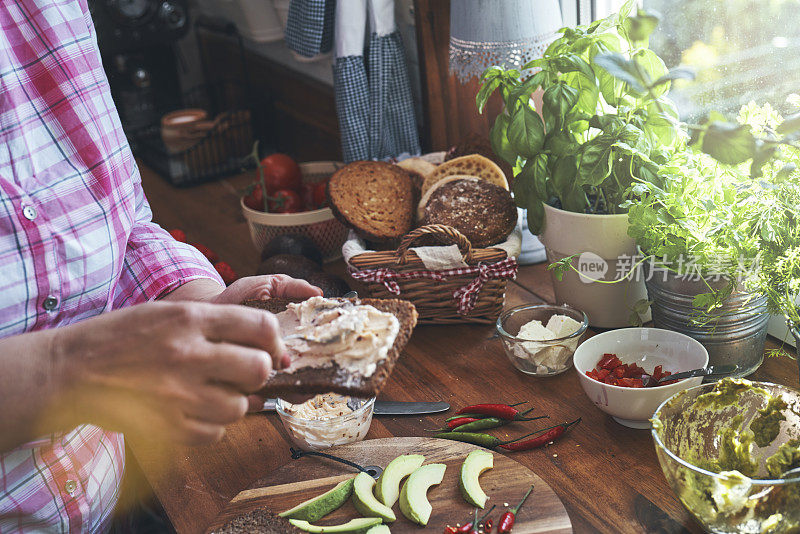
(390, 407)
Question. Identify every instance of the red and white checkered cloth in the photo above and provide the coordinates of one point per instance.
(76, 239)
(466, 295)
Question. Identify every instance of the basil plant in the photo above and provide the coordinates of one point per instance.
(600, 128)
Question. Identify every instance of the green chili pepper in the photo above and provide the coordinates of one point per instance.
(478, 438)
(489, 422)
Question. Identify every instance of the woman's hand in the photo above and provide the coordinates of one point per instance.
(266, 287)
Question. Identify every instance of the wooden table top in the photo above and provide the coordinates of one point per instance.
(607, 475)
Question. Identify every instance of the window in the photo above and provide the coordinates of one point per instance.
(742, 50)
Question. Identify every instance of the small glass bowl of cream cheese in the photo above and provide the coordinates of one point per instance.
(326, 420)
(540, 339)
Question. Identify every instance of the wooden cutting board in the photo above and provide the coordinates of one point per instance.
(309, 476)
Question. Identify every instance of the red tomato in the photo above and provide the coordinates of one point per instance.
(255, 199)
(285, 201)
(281, 172)
(320, 194)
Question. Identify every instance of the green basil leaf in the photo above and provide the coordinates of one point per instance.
(728, 142)
(662, 126)
(498, 137)
(573, 63)
(640, 26)
(557, 101)
(485, 92)
(678, 73)
(564, 173)
(595, 164)
(526, 132)
(655, 69)
(790, 124)
(623, 69)
(535, 216)
(561, 143)
(588, 91)
(575, 199)
(532, 179)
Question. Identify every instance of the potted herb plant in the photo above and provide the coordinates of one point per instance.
(576, 158)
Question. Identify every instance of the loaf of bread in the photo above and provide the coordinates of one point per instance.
(484, 212)
(472, 165)
(374, 198)
(418, 165)
(333, 378)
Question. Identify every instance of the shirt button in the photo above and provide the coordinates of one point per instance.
(50, 303)
(70, 486)
(29, 212)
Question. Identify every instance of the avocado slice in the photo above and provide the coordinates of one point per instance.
(474, 464)
(366, 503)
(379, 529)
(387, 490)
(321, 505)
(414, 496)
(354, 526)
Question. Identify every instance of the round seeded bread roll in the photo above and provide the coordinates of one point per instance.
(472, 165)
(485, 213)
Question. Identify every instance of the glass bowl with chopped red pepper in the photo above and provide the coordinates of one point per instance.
(610, 366)
(540, 339)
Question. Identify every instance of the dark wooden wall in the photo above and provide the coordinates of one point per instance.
(449, 107)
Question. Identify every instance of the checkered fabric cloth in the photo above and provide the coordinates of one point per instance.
(352, 106)
(76, 240)
(392, 124)
(309, 28)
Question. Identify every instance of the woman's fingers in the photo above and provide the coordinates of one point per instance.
(245, 326)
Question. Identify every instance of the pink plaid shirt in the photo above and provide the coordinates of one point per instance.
(76, 240)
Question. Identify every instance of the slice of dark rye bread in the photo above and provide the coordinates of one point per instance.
(334, 378)
(261, 521)
(374, 198)
(485, 213)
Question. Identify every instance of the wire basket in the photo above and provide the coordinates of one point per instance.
(218, 153)
(320, 225)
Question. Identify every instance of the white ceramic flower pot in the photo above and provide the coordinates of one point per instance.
(605, 251)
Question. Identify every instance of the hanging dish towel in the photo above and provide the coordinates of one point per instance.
(350, 79)
(392, 123)
(309, 28)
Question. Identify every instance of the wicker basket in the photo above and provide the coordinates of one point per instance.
(320, 225)
(432, 292)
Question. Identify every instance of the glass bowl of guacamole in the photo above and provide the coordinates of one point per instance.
(724, 447)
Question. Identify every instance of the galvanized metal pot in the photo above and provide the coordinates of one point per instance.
(735, 336)
(796, 332)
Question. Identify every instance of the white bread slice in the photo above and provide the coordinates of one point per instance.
(471, 165)
(418, 165)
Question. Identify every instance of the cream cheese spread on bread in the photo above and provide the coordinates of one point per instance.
(355, 337)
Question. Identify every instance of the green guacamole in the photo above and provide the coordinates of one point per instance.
(730, 500)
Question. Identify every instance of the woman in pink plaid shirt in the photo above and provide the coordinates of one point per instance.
(107, 325)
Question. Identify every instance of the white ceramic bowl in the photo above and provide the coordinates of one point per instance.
(647, 347)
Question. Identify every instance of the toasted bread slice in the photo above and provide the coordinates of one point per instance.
(374, 198)
(472, 165)
(260, 520)
(484, 212)
(333, 378)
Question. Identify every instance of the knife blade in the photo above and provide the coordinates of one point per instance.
(390, 407)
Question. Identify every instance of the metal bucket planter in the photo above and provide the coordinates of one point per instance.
(737, 336)
(796, 332)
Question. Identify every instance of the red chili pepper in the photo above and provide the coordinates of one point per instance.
(503, 411)
(470, 527)
(461, 421)
(507, 520)
(550, 434)
(488, 525)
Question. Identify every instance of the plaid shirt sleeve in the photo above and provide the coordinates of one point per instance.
(155, 263)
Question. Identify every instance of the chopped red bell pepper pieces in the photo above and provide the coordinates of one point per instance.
(611, 370)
